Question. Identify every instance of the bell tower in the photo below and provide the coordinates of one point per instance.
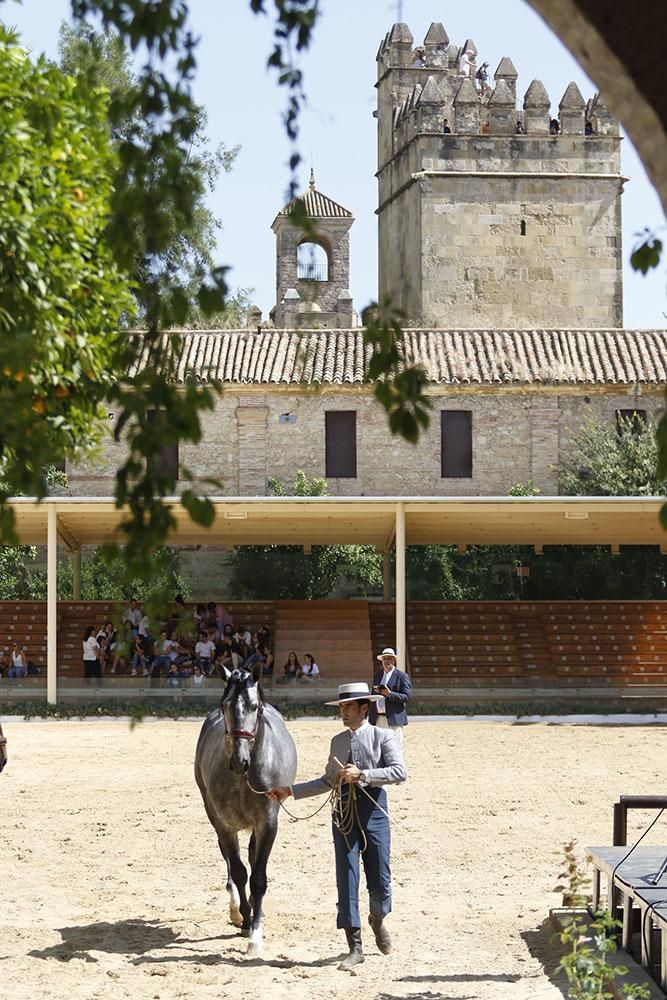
(491, 213)
(313, 272)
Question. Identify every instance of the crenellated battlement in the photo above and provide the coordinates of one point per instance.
(462, 95)
(497, 204)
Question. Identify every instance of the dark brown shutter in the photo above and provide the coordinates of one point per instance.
(456, 444)
(341, 444)
(166, 459)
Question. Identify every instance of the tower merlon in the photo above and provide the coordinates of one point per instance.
(467, 108)
(435, 45)
(572, 110)
(507, 71)
(502, 110)
(536, 109)
(396, 50)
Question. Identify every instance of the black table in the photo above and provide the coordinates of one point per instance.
(630, 884)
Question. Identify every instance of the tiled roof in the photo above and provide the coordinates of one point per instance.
(450, 357)
(319, 206)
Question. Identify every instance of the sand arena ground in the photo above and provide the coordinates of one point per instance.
(111, 884)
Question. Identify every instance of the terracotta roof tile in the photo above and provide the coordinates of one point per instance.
(318, 206)
(450, 357)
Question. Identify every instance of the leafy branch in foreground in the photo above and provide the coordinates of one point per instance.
(590, 944)
(93, 204)
(399, 387)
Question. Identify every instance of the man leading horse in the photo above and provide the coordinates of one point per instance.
(362, 759)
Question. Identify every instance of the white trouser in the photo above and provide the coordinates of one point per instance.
(396, 730)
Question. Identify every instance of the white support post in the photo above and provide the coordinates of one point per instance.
(400, 587)
(51, 605)
(76, 574)
(386, 582)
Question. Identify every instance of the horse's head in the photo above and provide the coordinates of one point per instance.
(242, 708)
(3, 751)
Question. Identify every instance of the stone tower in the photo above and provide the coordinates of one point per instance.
(313, 274)
(512, 218)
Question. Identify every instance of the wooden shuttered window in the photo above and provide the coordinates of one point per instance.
(340, 427)
(166, 458)
(456, 444)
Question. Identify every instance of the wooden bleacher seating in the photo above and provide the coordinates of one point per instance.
(555, 643)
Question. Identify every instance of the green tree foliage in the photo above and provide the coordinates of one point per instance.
(604, 462)
(153, 196)
(646, 255)
(23, 579)
(608, 460)
(62, 294)
(277, 572)
(589, 946)
(102, 60)
(104, 579)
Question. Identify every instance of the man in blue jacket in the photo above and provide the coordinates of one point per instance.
(393, 685)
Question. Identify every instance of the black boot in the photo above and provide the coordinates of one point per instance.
(356, 956)
(382, 938)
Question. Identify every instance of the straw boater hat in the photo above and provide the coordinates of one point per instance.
(353, 692)
(387, 652)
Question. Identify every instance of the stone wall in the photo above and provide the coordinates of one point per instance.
(497, 223)
(499, 247)
(254, 435)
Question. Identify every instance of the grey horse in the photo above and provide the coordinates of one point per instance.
(244, 749)
(3, 751)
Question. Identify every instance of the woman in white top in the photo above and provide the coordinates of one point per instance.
(310, 670)
(198, 678)
(91, 652)
(18, 666)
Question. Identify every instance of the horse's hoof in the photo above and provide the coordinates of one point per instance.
(236, 918)
(254, 950)
(245, 931)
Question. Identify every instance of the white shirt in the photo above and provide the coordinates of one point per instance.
(90, 648)
(312, 671)
(205, 649)
(381, 703)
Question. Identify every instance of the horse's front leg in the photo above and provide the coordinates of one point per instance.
(264, 836)
(237, 876)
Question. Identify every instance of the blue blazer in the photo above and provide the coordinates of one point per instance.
(401, 689)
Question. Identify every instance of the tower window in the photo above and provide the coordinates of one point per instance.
(312, 262)
(340, 428)
(166, 459)
(456, 444)
(523, 227)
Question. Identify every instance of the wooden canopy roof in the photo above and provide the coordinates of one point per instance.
(367, 520)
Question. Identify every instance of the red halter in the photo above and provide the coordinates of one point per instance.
(243, 734)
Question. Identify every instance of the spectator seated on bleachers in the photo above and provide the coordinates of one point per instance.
(198, 679)
(223, 617)
(291, 669)
(139, 658)
(309, 670)
(264, 636)
(106, 640)
(205, 653)
(163, 659)
(262, 655)
(243, 641)
(18, 663)
(132, 616)
(228, 656)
